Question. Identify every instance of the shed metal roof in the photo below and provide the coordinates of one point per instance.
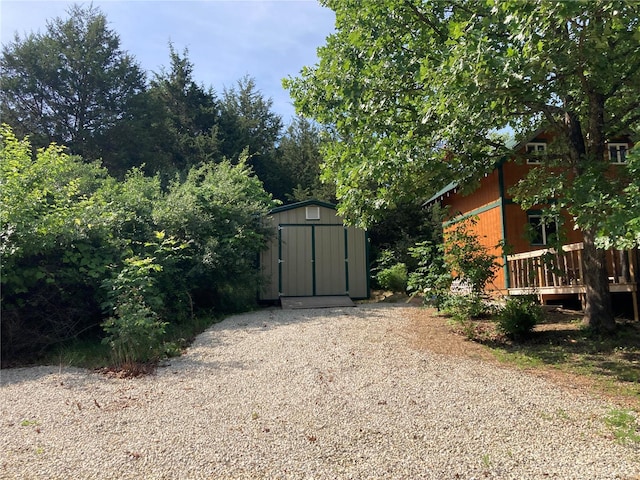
(306, 203)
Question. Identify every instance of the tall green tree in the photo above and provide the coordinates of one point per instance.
(299, 159)
(188, 115)
(416, 90)
(71, 84)
(247, 122)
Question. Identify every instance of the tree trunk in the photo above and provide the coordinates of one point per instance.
(598, 313)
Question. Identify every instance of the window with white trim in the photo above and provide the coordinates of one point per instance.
(534, 150)
(541, 230)
(617, 152)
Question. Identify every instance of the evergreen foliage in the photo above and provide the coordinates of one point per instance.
(247, 123)
(187, 117)
(75, 85)
(299, 163)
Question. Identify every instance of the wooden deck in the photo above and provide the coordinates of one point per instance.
(549, 272)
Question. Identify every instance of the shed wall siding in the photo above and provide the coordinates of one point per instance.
(298, 216)
(358, 264)
(296, 267)
(330, 266)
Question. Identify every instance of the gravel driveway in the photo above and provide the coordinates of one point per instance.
(331, 393)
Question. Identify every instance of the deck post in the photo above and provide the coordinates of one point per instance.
(583, 299)
(581, 275)
(623, 256)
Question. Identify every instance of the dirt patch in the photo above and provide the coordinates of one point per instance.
(429, 331)
(560, 335)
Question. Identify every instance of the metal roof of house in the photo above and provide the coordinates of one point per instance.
(452, 187)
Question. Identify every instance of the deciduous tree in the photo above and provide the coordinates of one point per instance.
(416, 91)
(71, 84)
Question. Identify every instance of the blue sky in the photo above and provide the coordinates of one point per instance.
(227, 39)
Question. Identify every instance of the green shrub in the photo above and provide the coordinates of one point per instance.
(461, 259)
(219, 209)
(54, 247)
(73, 242)
(431, 277)
(519, 316)
(393, 278)
(466, 257)
(134, 330)
(465, 307)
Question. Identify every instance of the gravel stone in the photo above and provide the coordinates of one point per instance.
(306, 394)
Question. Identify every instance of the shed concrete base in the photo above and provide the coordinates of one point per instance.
(290, 303)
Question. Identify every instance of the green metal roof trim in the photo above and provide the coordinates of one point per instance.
(305, 203)
(452, 186)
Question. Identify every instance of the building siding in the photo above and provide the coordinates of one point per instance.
(488, 229)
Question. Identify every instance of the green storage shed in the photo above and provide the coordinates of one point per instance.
(313, 253)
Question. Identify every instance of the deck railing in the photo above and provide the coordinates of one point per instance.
(561, 271)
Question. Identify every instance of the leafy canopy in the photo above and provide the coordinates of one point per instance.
(415, 92)
(79, 246)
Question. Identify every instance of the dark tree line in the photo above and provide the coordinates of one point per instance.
(76, 86)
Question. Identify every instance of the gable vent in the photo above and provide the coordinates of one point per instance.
(312, 213)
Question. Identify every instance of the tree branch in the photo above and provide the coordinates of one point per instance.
(622, 80)
(621, 127)
(426, 20)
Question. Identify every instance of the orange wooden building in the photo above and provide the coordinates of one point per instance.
(526, 236)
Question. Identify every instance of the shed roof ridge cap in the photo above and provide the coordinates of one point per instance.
(304, 203)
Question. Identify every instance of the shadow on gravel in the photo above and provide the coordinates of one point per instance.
(190, 365)
(273, 317)
(250, 322)
(562, 342)
(61, 375)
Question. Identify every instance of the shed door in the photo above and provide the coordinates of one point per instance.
(296, 261)
(312, 260)
(330, 260)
